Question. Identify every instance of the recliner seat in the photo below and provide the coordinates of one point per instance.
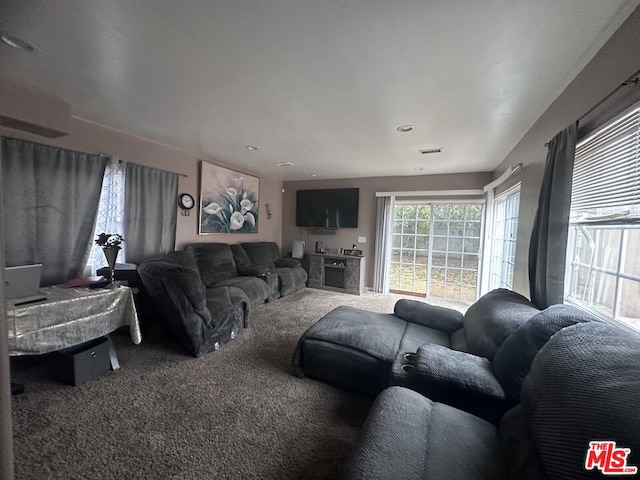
(355, 349)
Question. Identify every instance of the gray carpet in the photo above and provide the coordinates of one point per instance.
(236, 413)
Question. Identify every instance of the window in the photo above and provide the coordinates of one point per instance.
(603, 258)
(435, 249)
(110, 212)
(505, 233)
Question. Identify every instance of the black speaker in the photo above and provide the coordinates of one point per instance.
(319, 246)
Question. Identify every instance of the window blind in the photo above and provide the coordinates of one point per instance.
(606, 184)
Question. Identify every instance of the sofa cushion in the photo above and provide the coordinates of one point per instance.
(287, 263)
(512, 361)
(291, 279)
(215, 261)
(376, 334)
(411, 437)
(491, 319)
(254, 288)
(262, 253)
(240, 257)
(416, 335)
(584, 386)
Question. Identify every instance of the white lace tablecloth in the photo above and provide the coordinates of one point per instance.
(69, 316)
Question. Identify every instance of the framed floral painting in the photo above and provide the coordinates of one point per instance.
(228, 200)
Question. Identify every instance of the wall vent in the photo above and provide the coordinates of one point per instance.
(426, 151)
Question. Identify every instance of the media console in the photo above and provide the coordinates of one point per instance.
(337, 273)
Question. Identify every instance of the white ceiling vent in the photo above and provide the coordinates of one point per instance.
(426, 151)
(284, 164)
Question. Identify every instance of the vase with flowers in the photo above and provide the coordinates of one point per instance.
(111, 243)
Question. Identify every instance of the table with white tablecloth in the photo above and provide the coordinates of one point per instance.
(69, 317)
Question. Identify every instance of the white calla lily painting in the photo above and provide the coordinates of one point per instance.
(228, 200)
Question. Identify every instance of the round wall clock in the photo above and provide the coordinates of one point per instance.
(186, 201)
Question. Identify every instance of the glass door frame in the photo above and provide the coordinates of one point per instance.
(432, 203)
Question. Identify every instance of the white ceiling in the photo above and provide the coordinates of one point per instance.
(322, 84)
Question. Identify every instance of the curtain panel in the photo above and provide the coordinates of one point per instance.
(150, 212)
(51, 198)
(548, 247)
(383, 245)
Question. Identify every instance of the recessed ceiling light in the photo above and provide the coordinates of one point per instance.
(404, 128)
(17, 43)
(418, 169)
(426, 151)
(284, 164)
(314, 175)
(253, 148)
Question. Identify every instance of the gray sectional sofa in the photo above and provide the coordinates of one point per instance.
(583, 386)
(218, 268)
(355, 349)
(203, 296)
(505, 391)
(255, 267)
(475, 362)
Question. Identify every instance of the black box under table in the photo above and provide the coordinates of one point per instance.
(85, 362)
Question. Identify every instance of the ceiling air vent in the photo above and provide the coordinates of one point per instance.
(284, 164)
(426, 151)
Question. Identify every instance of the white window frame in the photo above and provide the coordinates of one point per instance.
(503, 245)
(588, 227)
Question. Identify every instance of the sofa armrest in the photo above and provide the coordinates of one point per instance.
(253, 271)
(461, 371)
(459, 379)
(441, 318)
(287, 263)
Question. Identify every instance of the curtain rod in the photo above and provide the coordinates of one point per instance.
(632, 80)
(115, 157)
(503, 178)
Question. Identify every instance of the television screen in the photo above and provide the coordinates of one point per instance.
(329, 208)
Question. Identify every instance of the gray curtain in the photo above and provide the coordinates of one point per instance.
(51, 197)
(548, 247)
(383, 240)
(150, 212)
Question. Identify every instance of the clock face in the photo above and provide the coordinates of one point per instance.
(186, 201)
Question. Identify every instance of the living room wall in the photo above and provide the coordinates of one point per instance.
(92, 138)
(618, 59)
(346, 237)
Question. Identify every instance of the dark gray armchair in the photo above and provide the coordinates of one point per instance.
(200, 320)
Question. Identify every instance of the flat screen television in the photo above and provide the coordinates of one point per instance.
(328, 208)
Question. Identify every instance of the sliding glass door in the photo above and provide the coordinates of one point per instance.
(435, 250)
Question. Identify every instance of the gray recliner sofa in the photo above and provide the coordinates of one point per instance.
(261, 258)
(583, 386)
(475, 384)
(355, 349)
(217, 267)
